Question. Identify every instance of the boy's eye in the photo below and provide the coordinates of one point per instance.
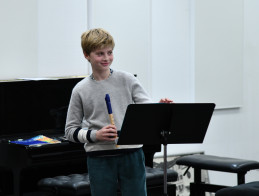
(102, 53)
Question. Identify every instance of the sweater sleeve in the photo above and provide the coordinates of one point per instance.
(74, 129)
(139, 94)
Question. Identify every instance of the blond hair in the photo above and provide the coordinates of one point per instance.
(96, 39)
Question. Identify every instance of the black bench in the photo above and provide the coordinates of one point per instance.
(248, 189)
(78, 184)
(224, 164)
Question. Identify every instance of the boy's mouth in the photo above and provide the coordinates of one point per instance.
(105, 64)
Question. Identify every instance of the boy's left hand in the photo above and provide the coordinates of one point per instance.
(166, 100)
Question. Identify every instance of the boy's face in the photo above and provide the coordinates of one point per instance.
(100, 59)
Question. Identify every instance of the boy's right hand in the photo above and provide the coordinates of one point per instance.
(107, 133)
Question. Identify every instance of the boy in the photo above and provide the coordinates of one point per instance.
(108, 164)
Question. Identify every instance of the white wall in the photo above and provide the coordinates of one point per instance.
(172, 71)
(128, 21)
(218, 49)
(18, 38)
(60, 25)
(234, 132)
(42, 38)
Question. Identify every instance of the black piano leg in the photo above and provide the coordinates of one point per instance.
(17, 182)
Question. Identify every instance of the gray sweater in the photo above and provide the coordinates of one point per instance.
(87, 112)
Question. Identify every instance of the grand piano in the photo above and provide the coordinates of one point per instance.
(38, 107)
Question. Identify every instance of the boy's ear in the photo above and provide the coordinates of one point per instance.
(86, 55)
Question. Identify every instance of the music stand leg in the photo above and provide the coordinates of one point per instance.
(165, 169)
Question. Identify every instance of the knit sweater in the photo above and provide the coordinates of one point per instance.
(87, 112)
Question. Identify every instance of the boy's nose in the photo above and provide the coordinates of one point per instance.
(105, 57)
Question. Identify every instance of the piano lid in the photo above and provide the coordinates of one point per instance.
(28, 106)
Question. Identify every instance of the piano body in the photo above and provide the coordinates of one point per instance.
(31, 108)
(27, 109)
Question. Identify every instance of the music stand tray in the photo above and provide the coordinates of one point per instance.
(158, 123)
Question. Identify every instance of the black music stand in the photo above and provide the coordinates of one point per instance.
(178, 123)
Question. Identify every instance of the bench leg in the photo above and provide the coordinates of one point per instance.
(199, 188)
(194, 187)
(196, 190)
(241, 178)
(171, 190)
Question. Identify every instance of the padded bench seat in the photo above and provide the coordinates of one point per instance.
(78, 184)
(216, 163)
(248, 189)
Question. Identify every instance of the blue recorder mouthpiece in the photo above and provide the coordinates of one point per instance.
(108, 103)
